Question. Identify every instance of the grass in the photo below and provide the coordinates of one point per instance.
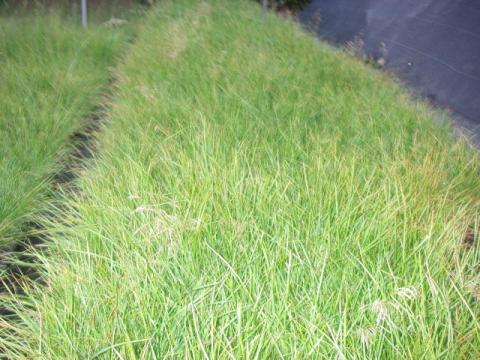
(258, 196)
(51, 76)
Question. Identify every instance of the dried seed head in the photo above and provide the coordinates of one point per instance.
(366, 335)
(473, 288)
(408, 293)
(380, 310)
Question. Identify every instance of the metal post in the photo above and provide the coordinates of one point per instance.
(84, 13)
(265, 7)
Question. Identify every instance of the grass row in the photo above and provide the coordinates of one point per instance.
(259, 196)
(51, 76)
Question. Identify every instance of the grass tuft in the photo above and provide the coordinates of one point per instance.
(259, 196)
(52, 73)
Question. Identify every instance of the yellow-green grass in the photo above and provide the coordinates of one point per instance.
(259, 196)
(52, 73)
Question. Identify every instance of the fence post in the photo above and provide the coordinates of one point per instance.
(84, 13)
(265, 8)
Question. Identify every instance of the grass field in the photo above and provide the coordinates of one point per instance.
(51, 76)
(257, 195)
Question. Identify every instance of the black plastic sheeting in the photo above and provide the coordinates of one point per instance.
(431, 45)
